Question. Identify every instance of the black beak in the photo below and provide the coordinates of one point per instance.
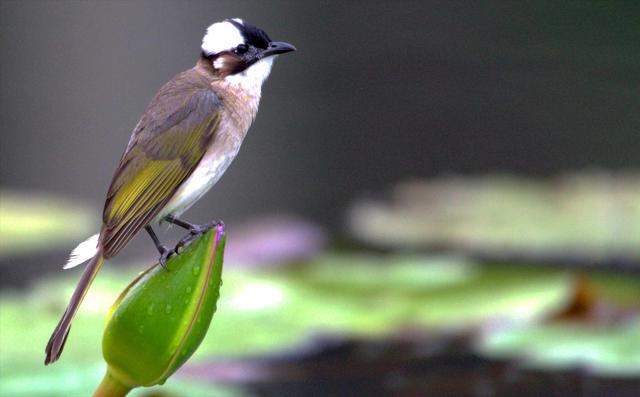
(277, 47)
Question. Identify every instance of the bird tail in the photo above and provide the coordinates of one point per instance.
(83, 252)
(59, 335)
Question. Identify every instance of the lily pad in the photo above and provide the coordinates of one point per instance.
(605, 350)
(267, 312)
(589, 216)
(33, 222)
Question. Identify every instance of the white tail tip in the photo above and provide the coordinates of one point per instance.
(83, 252)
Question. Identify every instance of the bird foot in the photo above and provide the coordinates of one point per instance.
(165, 254)
(195, 231)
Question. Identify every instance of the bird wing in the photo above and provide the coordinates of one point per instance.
(166, 146)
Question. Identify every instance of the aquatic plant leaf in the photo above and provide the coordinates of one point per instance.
(33, 222)
(589, 216)
(604, 349)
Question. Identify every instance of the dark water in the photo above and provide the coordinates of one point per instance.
(394, 368)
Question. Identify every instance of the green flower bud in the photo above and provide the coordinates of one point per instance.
(160, 319)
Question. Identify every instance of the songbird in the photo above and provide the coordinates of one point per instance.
(184, 142)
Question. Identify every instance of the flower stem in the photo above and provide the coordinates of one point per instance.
(110, 387)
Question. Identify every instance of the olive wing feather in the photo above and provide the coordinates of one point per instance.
(165, 148)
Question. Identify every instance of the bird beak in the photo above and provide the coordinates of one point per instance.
(277, 47)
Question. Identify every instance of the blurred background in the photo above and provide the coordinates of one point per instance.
(432, 190)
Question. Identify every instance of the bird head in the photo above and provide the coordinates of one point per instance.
(240, 52)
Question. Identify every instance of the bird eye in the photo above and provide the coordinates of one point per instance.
(241, 49)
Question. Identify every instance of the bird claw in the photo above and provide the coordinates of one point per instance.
(194, 232)
(165, 254)
(183, 242)
(197, 230)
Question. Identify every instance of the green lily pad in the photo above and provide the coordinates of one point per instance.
(605, 350)
(265, 312)
(76, 380)
(587, 215)
(34, 222)
(497, 294)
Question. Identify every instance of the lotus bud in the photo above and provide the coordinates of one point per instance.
(161, 318)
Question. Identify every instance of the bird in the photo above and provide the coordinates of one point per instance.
(183, 143)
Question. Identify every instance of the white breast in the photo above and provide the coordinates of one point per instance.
(209, 171)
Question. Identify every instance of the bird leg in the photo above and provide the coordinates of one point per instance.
(194, 230)
(165, 252)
